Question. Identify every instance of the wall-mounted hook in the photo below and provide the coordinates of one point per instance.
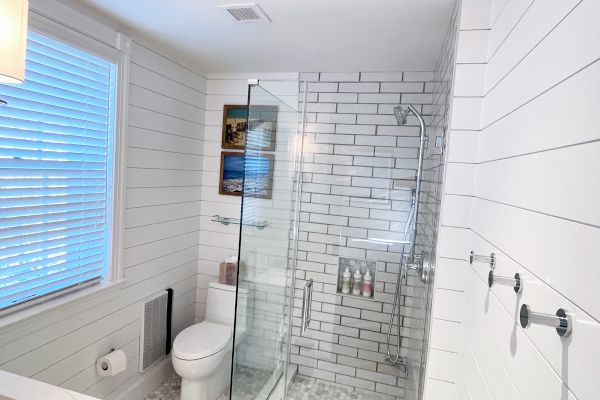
(491, 259)
(515, 281)
(561, 321)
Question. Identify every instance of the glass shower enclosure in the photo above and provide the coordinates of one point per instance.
(271, 161)
(296, 331)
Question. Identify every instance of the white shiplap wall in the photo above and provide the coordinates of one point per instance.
(521, 184)
(164, 162)
(218, 241)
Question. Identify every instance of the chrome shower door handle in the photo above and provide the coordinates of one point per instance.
(306, 305)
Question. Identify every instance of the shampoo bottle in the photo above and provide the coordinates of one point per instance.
(367, 287)
(346, 281)
(357, 282)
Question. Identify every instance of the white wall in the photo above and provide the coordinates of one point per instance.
(164, 159)
(524, 144)
(218, 241)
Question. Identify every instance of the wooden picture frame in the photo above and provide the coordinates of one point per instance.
(231, 176)
(250, 174)
(258, 175)
(255, 131)
(235, 120)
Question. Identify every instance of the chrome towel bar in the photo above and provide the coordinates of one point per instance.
(562, 321)
(515, 281)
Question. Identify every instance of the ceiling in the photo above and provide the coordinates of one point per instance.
(304, 35)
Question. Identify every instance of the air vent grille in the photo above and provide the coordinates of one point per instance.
(154, 331)
(250, 12)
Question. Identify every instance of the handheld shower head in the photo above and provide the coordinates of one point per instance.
(401, 115)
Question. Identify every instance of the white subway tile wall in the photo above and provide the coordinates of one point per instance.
(354, 150)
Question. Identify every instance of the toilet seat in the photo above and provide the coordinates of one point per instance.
(201, 340)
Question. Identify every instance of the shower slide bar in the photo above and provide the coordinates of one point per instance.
(306, 305)
(562, 321)
(236, 221)
(491, 259)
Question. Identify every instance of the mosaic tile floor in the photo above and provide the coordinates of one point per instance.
(307, 389)
(300, 389)
(250, 379)
(248, 383)
(169, 390)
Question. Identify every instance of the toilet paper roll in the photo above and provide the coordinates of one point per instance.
(112, 364)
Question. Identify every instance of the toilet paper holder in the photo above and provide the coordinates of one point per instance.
(112, 363)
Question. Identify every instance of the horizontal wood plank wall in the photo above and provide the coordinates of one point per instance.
(162, 221)
(529, 195)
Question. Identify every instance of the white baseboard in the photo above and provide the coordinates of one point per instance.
(139, 386)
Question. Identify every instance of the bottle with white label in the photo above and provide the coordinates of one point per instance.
(357, 282)
(346, 276)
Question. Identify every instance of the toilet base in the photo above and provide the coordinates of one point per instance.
(194, 390)
(211, 387)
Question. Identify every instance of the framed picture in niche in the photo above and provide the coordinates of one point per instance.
(250, 174)
(255, 129)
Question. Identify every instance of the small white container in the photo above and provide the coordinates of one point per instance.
(346, 281)
(356, 286)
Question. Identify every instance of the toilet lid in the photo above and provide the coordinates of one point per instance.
(201, 340)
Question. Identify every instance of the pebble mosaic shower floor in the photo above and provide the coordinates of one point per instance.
(300, 389)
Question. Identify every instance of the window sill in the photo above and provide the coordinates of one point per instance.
(15, 324)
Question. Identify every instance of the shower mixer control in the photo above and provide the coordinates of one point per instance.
(416, 263)
(440, 144)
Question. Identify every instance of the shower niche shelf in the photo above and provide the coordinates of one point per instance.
(363, 266)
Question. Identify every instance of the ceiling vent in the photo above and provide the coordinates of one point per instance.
(249, 12)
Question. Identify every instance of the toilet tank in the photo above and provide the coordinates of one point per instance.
(220, 303)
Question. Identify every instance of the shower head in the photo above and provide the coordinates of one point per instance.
(401, 115)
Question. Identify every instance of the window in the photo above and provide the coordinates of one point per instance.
(56, 174)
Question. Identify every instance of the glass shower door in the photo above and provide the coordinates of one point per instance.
(264, 266)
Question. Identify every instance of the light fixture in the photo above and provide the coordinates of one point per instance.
(13, 40)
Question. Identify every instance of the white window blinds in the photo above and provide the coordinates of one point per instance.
(56, 161)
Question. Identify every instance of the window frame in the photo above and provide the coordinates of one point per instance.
(117, 50)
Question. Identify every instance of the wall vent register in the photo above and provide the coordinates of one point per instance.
(155, 333)
(56, 174)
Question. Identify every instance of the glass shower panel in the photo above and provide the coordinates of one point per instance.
(267, 216)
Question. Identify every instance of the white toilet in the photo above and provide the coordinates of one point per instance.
(202, 352)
